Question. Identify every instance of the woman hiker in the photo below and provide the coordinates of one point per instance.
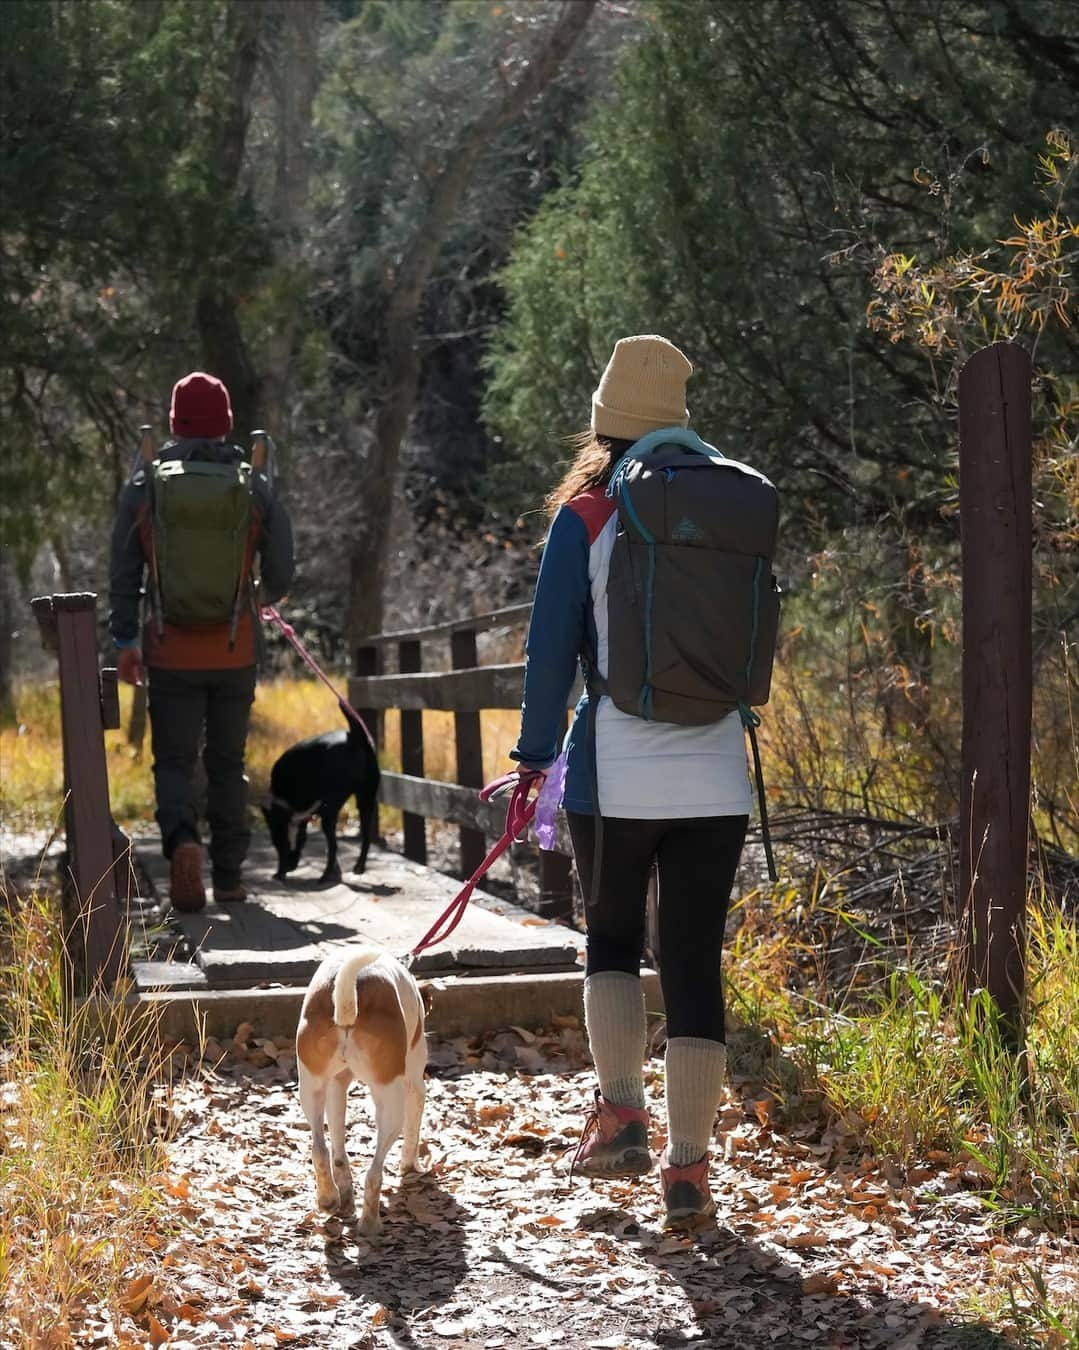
(665, 794)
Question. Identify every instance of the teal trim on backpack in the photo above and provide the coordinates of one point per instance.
(646, 699)
(635, 520)
(756, 622)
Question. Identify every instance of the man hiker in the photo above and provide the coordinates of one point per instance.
(193, 523)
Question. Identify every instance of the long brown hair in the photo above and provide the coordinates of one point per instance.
(596, 457)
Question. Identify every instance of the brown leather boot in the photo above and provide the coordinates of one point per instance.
(186, 890)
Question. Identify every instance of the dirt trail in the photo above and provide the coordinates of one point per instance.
(495, 1248)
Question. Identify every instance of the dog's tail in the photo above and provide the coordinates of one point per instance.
(344, 986)
(355, 730)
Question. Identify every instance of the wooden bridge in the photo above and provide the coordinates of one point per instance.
(253, 959)
(465, 690)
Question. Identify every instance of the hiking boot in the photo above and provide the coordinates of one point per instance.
(685, 1191)
(613, 1143)
(186, 890)
(230, 895)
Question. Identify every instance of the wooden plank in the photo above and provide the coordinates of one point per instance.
(448, 690)
(456, 804)
(285, 931)
(479, 623)
(995, 522)
(469, 745)
(98, 935)
(409, 659)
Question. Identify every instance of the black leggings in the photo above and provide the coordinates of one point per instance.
(697, 860)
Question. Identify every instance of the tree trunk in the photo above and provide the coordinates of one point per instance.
(293, 76)
(61, 563)
(400, 365)
(7, 630)
(224, 350)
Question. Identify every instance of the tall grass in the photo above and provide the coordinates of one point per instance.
(285, 711)
(83, 1113)
(909, 1066)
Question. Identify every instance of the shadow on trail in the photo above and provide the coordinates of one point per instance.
(416, 1263)
(740, 1290)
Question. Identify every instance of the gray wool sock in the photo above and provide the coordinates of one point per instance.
(696, 1069)
(614, 1017)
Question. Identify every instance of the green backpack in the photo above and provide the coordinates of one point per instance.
(200, 520)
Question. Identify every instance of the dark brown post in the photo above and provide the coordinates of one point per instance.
(409, 662)
(367, 660)
(136, 726)
(995, 520)
(556, 886)
(97, 930)
(469, 749)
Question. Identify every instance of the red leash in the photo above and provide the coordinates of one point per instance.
(271, 614)
(519, 813)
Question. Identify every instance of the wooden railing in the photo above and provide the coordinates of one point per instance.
(465, 690)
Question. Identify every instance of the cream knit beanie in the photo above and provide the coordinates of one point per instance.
(642, 389)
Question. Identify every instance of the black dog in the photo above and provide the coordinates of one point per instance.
(316, 778)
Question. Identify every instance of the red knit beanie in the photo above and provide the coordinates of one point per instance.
(200, 407)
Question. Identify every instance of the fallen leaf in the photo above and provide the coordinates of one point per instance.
(158, 1334)
(136, 1294)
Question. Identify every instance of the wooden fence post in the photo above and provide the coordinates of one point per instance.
(469, 738)
(556, 884)
(367, 660)
(95, 930)
(995, 521)
(409, 662)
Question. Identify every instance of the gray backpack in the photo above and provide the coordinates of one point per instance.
(692, 601)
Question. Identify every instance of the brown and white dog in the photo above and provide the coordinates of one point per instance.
(362, 1017)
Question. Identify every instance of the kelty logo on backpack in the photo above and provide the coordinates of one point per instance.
(686, 532)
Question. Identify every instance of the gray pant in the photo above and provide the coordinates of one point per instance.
(183, 705)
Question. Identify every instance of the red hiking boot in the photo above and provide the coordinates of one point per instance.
(613, 1143)
(686, 1194)
(186, 890)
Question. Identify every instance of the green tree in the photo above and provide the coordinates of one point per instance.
(734, 204)
(115, 209)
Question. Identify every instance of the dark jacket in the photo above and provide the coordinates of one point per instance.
(204, 646)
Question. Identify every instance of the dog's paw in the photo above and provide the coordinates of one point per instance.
(330, 877)
(370, 1225)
